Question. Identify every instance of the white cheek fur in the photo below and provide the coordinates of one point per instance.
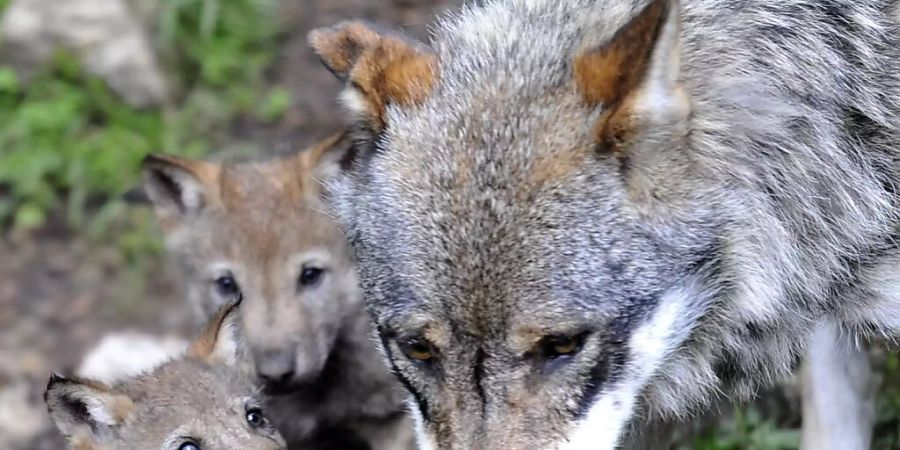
(605, 423)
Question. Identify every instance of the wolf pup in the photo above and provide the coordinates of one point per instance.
(258, 230)
(570, 214)
(198, 400)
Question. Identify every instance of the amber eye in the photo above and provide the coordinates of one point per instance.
(557, 346)
(417, 350)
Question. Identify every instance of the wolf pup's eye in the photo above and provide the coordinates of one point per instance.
(227, 286)
(553, 347)
(310, 276)
(417, 349)
(189, 445)
(255, 418)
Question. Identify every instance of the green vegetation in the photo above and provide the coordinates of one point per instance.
(887, 406)
(747, 430)
(70, 147)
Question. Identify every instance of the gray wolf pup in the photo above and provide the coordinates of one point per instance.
(571, 217)
(258, 230)
(200, 399)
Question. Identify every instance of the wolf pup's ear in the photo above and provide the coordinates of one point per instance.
(324, 160)
(634, 76)
(83, 409)
(222, 340)
(178, 187)
(379, 69)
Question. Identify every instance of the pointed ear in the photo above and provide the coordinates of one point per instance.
(324, 160)
(179, 187)
(82, 408)
(379, 69)
(634, 76)
(222, 340)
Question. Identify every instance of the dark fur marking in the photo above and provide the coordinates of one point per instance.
(328, 380)
(479, 378)
(172, 188)
(610, 362)
(596, 380)
(335, 438)
(728, 369)
(365, 145)
(608, 369)
(421, 403)
(860, 127)
(755, 331)
(78, 410)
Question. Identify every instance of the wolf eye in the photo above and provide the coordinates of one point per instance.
(417, 350)
(309, 276)
(189, 445)
(227, 286)
(255, 418)
(554, 347)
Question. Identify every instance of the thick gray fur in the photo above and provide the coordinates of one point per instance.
(772, 207)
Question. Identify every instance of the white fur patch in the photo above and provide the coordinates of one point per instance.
(99, 409)
(220, 268)
(123, 355)
(604, 424)
(354, 101)
(191, 190)
(423, 440)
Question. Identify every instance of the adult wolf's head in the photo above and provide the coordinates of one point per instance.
(528, 231)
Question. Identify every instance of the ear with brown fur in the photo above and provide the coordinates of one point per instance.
(379, 69)
(179, 187)
(634, 76)
(324, 160)
(83, 409)
(222, 340)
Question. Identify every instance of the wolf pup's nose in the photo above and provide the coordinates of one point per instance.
(276, 368)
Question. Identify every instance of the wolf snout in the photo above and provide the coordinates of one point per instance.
(276, 368)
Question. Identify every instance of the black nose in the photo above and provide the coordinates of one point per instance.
(275, 368)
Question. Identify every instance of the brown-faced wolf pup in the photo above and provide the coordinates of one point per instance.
(259, 230)
(573, 216)
(198, 400)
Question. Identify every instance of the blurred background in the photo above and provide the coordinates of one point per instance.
(88, 87)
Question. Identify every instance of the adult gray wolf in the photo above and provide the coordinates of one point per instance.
(574, 217)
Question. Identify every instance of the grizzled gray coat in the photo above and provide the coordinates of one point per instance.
(569, 215)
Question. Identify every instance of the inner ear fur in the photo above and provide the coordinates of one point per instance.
(323, 160)
(221, 341)
(178, 187)
(634, 76)
(78, 406)
(380, 69)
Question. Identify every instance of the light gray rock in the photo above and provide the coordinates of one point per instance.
(20, 418)
(108, 39)
(126, 354)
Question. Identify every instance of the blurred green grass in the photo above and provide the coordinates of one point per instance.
(68, 145)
